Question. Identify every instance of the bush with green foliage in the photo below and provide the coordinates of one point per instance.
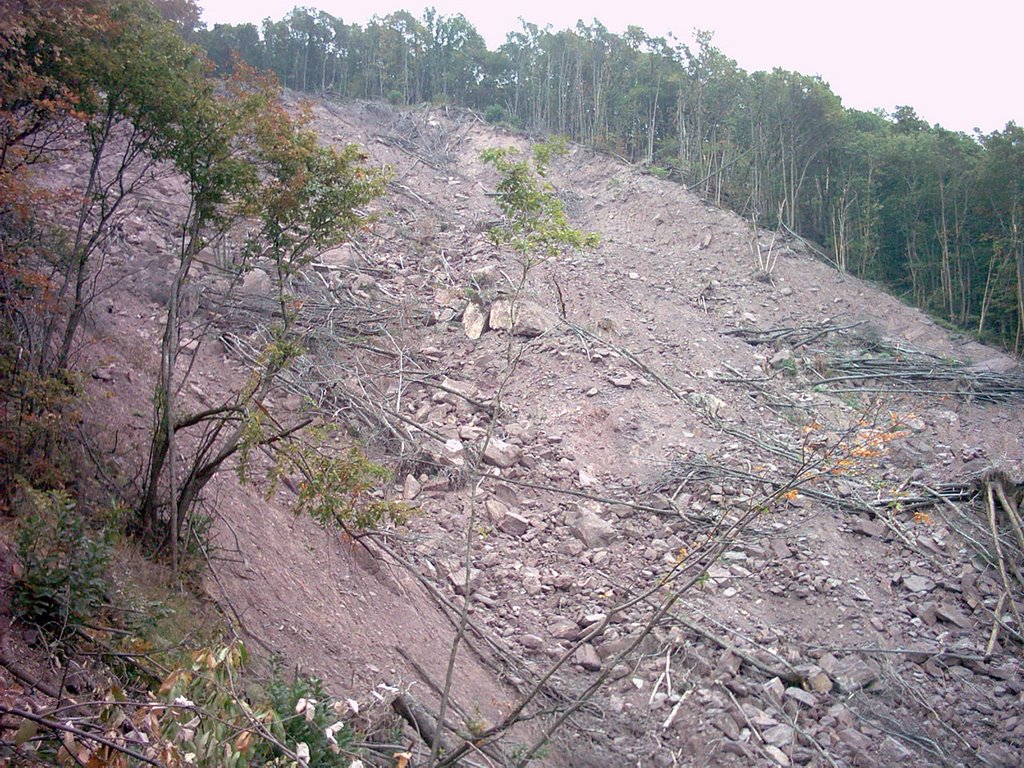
(494, 114)
(62, 564)
(209, 723)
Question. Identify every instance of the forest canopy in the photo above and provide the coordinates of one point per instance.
(934, 215)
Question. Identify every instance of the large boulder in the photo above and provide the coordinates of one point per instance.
(523, 317)
(500, 454)
(588, 526)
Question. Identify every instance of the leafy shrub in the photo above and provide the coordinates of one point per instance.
(209, 723)
(306, 714)
(337, 491)
(494, 114)
(62, 564)
(35, 415)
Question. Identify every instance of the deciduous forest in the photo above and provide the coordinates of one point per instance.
(932, 214)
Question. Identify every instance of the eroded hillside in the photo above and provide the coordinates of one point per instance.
(751, 503)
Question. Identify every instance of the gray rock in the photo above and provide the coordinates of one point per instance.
(474, 320)
(852, 674)
(799, 694)
(779, 735)
(514, 525)
(498, 453)
(458, 581)
(588, 526)
(918, 583)
(777, 755)
(523, 317)
(586, 656)
(257, 283)
(411, 488)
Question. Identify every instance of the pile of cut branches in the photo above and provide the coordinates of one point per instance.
(920, 373)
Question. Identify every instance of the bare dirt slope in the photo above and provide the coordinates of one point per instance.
(667, 390)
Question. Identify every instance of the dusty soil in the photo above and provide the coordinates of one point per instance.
(831, 628)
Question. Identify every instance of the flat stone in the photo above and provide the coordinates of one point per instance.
(806, 698)
(532, 642)
(777, 755)
(514, 525)
(852, 674)
(917, 583)
(779, 735)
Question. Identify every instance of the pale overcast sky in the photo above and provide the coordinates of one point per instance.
(958, 64)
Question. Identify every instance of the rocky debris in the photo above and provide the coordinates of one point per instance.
(578, 414)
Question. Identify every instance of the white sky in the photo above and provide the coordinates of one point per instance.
(958, 64)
